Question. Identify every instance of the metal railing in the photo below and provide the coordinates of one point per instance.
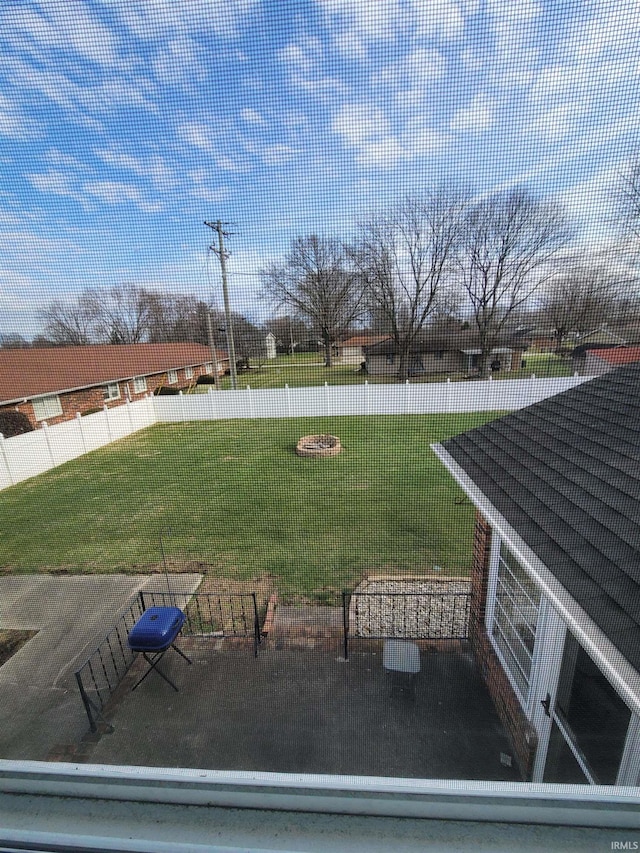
(213, 614)
(405, 615)
(208, 615)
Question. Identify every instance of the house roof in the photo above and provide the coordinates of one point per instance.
(565, 474)
(618, 355)
(26, 373)
(363, 340)
(443, 341)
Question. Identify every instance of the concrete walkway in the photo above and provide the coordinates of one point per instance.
(40, 706)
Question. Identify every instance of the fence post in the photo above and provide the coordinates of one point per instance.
(367, 395)
(345, 624)
(256, 626)
(6, 460)
(407, 386)
(128, 405)
(288, 391)
(106, 415)
(251, 412)
(182, 405)
(87, 704)
(327, 400)
(212, 407)
(45, 429)
(79, 422)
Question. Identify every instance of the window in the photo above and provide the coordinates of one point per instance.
(515, 616)
(139, 384)
(208, 368)
(188, 373)
(47, 407)
(111, 391)
(172, 377)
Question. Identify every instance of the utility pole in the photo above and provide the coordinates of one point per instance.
(222, 256)
(214, 354)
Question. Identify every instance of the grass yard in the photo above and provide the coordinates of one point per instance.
(303, 373)
(242, 505)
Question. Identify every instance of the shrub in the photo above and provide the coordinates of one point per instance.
(207, 379)
(165, 391)
(14, 423)
(91, 411)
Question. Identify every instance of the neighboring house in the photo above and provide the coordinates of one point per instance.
(596, 361)
(555, 609)
(443, 352)
(54, 384)
(351, 350)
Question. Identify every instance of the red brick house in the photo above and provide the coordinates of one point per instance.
(555, 610)
(54, 384)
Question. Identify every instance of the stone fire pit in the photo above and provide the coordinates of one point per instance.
(319, 446)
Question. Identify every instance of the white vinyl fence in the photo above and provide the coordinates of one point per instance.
(24, 456)
(365, 399)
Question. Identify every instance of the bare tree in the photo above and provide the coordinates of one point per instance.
(13, 341)
(406, 259)
(72, 323)
(510, 243)
(574, 303)
(627, 195)
(122, 313)
(319, 284)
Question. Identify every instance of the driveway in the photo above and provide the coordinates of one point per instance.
(40, 706)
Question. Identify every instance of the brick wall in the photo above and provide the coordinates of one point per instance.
(89, 399)
(521, 733)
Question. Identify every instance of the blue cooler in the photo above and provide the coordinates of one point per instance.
(156, 629)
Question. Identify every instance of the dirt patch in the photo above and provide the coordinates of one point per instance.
(11, 642)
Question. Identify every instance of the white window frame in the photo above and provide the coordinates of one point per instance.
(47, 407)
(188, 373)
(139, 384)
(526, 700)
(208, 368)
(108, 391)
(172, 377)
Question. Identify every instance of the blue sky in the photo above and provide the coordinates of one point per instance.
(124, 125)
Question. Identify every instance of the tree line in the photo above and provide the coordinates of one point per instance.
(434, 260)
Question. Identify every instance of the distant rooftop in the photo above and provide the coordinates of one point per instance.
(26, 373)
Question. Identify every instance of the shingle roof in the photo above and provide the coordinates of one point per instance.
(47, 370)
(466, 339)
(565, 474)
(619, 355)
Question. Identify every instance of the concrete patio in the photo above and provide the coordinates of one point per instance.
(299, 707)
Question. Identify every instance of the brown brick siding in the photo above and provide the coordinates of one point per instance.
(521, 733)
(88, 399)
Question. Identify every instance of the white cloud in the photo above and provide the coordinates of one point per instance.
(197, 134)
(153, 167)
(61, 27)
(441, 19)
(118, 192)
(178, 62)
(360, 124)
(154, 19)
(414, 71)
(477, 117)
(53, 182)
(276, 155)
(252, 117)
(13, 124)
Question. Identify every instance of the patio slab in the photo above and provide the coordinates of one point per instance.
(307, 710)
(39, 699)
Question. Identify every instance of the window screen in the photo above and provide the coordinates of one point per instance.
(384, 237)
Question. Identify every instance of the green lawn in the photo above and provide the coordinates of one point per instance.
(241, 503)
(299, 372)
